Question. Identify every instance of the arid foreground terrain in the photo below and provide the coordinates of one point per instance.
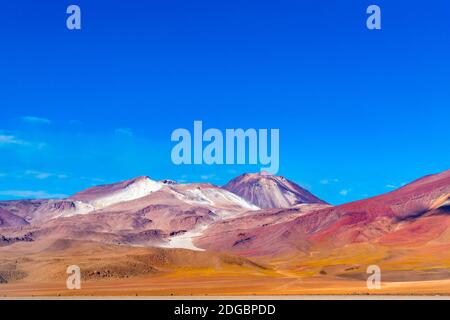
(257, 235)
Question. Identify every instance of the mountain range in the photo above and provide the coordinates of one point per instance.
(255, 224)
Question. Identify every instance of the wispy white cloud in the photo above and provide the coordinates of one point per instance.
(32, 194)
(12, 140)
(38, 174)
(41, 175)
(207, 176)
(391, 186)
(344, 192)
(35, 120)
(328, 181)
(124, 132)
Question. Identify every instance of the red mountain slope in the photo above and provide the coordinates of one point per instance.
(417, 212)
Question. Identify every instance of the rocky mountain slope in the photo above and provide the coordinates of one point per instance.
(269, 191)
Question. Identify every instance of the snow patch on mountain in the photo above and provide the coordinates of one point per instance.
(185, 240)
(213, 197)
(107, 195)
(78, 207)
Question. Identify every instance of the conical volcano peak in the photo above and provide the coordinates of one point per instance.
(269, 191)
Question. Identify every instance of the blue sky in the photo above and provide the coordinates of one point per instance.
(360, 112)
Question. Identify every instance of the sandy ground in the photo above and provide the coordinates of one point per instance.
(223, 285)
(40, 270)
